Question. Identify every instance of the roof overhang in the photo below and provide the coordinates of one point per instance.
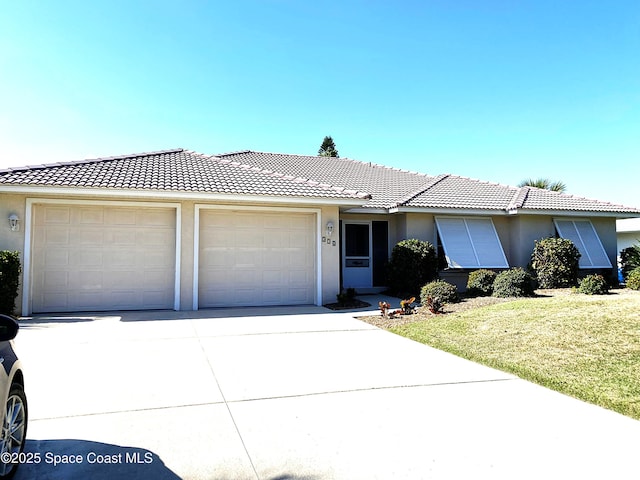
(176, 195)
(573, 213)
(449, 211)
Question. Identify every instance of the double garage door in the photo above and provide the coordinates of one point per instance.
(109, 257)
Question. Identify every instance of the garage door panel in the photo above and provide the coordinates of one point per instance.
(88, 236)
(56, 235)
(55, 258)
(121, 216)
(57, 301)
(121, 236)
(102, 258)
(246, 258)
(56, 215)
(91, 216)
(88, 258)
(154, 237)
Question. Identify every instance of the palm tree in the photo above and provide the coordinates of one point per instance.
(545, 184)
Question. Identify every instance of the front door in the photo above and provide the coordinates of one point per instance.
(357, 266)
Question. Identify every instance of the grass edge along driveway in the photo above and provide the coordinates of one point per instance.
(581, 345)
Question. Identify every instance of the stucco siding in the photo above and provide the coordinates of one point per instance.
(9, 240)
(524, 232)
(627, 239)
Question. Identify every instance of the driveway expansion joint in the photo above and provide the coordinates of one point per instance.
(371, 389)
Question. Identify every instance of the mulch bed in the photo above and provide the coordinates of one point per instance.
(352, 304)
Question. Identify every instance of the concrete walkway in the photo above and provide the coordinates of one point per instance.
(291, 393)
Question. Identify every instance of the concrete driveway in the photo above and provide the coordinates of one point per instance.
(291, 393)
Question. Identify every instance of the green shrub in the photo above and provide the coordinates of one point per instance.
(480, 283)
(593, 285)
(413, 263)
(633, 280)
(443, 291)
(9, 280)
(629, 259)
(555, 262)
(515, 282)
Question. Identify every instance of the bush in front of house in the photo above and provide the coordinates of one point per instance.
(480, 283)
(413, 263)
(445, 292)
(594, 285)
(633, 280)
(515, 282)
(555, 262)
(629, 259)
(10, 269)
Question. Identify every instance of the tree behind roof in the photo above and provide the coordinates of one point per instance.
(328, 148)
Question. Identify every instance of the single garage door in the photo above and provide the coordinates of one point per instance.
(248, 258)
(97, 258)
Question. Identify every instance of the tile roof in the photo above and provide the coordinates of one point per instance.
(465, 193)
(538, 199)
(458, 192)
(384, 184)
(394, 188)
(278, 174)
(173, 170)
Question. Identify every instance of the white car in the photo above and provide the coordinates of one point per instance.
(14, 413)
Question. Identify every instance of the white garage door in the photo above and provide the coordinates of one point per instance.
(248, 258)
(96, 258)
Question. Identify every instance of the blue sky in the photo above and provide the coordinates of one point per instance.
(495, 90)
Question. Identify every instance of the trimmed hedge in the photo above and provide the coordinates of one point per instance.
(594, 285)
(633, 280)
(443, 291)
(480, 283)
(515, 282)
(413, 263)
(555, 262)
(10, 270)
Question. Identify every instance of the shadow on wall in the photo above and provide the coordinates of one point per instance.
(82, 459)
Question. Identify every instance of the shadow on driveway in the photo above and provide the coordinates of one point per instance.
(82, 459)
(212, 313)
(72, 459)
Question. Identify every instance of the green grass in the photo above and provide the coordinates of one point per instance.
(585, 346)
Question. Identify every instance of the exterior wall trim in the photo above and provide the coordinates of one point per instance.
(177, 195)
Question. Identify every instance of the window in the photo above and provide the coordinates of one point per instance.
(586, 240)
(471, 243)
(356, 240)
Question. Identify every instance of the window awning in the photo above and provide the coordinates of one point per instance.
(471, 243)
(586, 240)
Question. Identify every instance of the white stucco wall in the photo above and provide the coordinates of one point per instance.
(628, 233)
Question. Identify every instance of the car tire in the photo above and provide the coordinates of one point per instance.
(14, 429)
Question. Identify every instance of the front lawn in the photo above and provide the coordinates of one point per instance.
(581, 345)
